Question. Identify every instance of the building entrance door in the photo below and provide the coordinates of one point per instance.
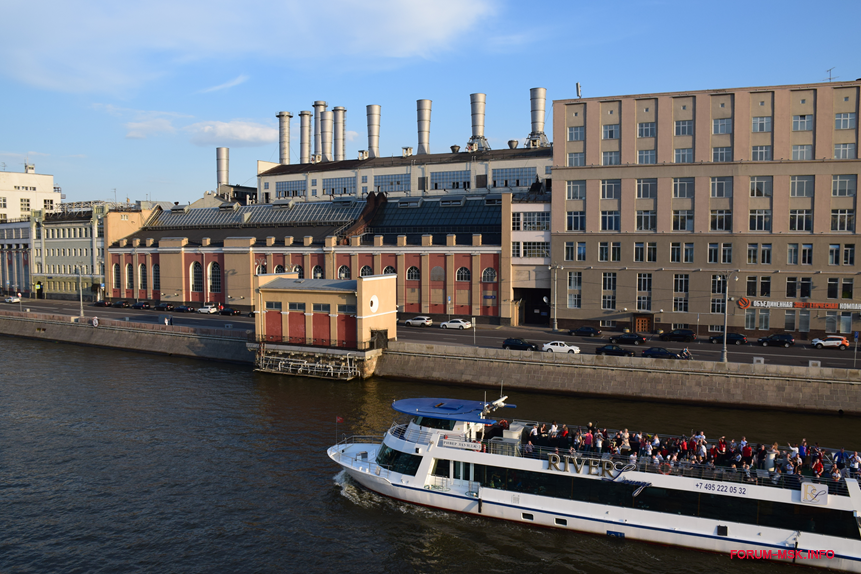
(643, 324)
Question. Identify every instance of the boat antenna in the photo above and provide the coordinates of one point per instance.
(501, 384)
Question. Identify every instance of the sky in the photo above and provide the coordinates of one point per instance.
(130, 100)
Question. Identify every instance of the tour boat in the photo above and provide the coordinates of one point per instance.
(451, 455)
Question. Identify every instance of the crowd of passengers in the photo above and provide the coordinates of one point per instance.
(783, 464)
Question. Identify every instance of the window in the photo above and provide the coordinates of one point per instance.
(717, 305)
(760, 220)
(260, 270)
(300, 272)
(616, 251)
(488, 275)
(685, 155)
(718, 283)
(761, 186)
(279, 269)
(792, 254)
(832, 287)
(364, 179)
(389, 270)
(844, 121)
(536, 221)
(347, 309)
(751, 286)
(683, 220)
(681, 283)
(366, 271)
(450, 179)
(689, 253)
(714, 252)
(683, 187)
(610, 221)
(801, 186)
(849, 254)
(611, 131)
(576, 159)
(611, 188)
(515, 221)
(644, 282)
(463, 274)
(156, 277)
(536, 249)
(644, 302)
(646, 130)
(197, 277)
(214, 278)
(639, 252)
(842, 220)
(752, 251)
(343, 272)
(576, 133)
(721, 187)
(413, 274)
(721, 220)
(647, 188)
(764, 319)
(761, 124)
(25, 204)
(685, 128)
(575, 280)
(722, 154)
(298, 307)
(320, 307)
(396, 182)
(117, 281)
(765, 254)
(761, 153)
(647, 220)
(574, 300)
(750, 319)
(604, 251)
(646, 156)
(802, 123)
(611, 158)
(576, 189)
(575, 221)
(846, 293)
(569, 251)
(317, 272)
(801, 152)
(722, 126)
(844, 151)
(48, 204)
(581, 251)
(843, 185)
(765, 286)
(2, 203)
(608, 281)
(800, 220)
(675, 252)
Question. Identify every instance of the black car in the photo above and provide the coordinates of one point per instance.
(684, 335)
(519, 345)
(183, 309)
(585, 332)
(777, 340)
(120, 304)
(614, 350)
(229, 311)
(141, 305)
(628, 339)
(731, 339)
(101, 304)
(659, 353)
(163, 307)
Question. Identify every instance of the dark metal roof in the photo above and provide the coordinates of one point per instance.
(300, 213)
(313, 284)
(217, 235)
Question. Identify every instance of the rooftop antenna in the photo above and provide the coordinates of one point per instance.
(830, 78)
(3, 165)
(579, 92)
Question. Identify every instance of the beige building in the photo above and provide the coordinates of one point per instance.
(660, 197)
(21, 193)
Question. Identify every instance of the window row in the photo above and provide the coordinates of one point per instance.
(117, 282)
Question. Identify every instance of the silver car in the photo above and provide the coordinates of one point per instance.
(421, 321)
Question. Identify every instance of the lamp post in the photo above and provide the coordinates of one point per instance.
(80, 290)
(555, 269)
(723, 353)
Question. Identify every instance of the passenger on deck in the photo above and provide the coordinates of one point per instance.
(528, 449)
(626, 442)
(817, 468)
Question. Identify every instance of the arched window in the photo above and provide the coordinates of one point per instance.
(488, 275)
(317, 272)
(343, 272)
(279, 269)
(130, 276)
(197, 277)
(142, 276)
(437, 274)
(413, 274)
(389, 270)
(38, 267)
(260, 269)
(298, 269)
(156, 277)
(214, 277)
(463, 274)
(366, 270)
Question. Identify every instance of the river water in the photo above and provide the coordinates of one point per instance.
(122, 462)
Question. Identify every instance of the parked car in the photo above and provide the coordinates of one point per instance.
(183, 309)
(518, 344)
(559, 347)
(229, 311)
(163, 307)
(628, 339)
(141, 305)
(684, 335)
(421, 321)
(102, 304)
(585, 332)
(456, 324)
(731, 339)
(659, 353)
(13, 299)
(777, 340)
(833, 341)
(121, 304)
(614, 350)
(208, 309)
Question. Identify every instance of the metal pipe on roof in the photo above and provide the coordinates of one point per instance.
(340, 133)
(319, 107)
(222, 167)
(373, 111)
(477, 104)
(423, 118)
(326, 120)
(537, 98)
(305, 136)
(284, 137)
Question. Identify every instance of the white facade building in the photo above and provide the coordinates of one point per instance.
(21, 193)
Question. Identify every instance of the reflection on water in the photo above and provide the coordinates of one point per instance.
(116, 461)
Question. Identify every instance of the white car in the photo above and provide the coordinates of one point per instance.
(421, 321)
(13, 299)
(208, 309)
(559, 347)
(833, 341)
(456, 324)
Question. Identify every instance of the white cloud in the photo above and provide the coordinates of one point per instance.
(351, 135)
(142, 130)
(236, 133)
(146, 122)
(234, 82)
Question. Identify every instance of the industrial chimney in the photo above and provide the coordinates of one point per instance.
(284, 137)
(305, 136)
(319, 108)
(326, 119)
(373, 130)
(477, 142)
(537, 138)
(423, 117)
(340, 133)
(222, 167)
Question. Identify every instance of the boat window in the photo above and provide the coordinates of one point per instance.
(561, 522)
(434, 423)
(397, 461)
(527, 516)
(441, 468)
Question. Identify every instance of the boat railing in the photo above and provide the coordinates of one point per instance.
(404, 432)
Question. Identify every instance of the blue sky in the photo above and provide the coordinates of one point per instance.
(137, 96)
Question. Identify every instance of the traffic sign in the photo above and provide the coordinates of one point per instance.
(856, 335)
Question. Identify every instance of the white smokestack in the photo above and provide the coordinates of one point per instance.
(537, 98)
(373, 130)
(305, 136)
(284, 137)
(326, 120)
(340, 133)
(319, 108)
(477, 104)
(222, 167)
(423, 117)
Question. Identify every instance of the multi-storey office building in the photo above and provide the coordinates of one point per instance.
(663, 199)
(21, 193)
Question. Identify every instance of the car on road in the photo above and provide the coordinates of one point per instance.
(659, 353)
(13, 299)
(627, 339)
(183, 309)
(208, 309)
(421, 321)
(102, 304)
(163, 307)
(731, 339)
(456, 324)
(614, 350)
(777, 340)
(120, 304)
(230, 312)
(684, 335)
(141, 305)
(560, 347)
(518, 344)
(585, 332)
(832, 341)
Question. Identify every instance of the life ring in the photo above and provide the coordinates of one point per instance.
(665, 468)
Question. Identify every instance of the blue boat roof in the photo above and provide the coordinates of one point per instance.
(445, 409)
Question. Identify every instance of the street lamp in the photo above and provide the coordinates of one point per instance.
(80, 289)
(723, 353)
(555, 269)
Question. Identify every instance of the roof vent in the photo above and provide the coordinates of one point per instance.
(406, 151)
(512, 144)
(493, 201)
(299, 281)
(363, 154)
(227, 206)
(179, 209)
(455, 148)
(284, 204)
(452, 202)
(246, 216)
(409, 203)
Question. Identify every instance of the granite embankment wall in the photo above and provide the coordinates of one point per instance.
(217, 344)
(735, 384)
